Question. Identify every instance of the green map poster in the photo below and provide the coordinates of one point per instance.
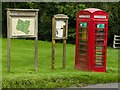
(23, 26)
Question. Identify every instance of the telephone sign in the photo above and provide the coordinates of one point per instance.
(84, 16)
(99, 16)
(83, 24)
(100, 25)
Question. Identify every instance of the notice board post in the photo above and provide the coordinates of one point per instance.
(22, 23)
(59, 31)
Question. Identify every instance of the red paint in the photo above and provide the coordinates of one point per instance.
(90, 37)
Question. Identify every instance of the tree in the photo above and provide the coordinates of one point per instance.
(48, 9)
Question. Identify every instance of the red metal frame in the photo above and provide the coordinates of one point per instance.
(92, 16)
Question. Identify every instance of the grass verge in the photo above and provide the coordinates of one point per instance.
(22, 73)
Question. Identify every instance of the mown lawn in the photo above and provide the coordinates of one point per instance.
(22, 73)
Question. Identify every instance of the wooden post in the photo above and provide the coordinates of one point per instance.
(53, 44)
(64, 54)
(11, 29)
(36, 43)
(8, 40)
(64, 47)
(59, 17)
(53, 53)
(36, 54)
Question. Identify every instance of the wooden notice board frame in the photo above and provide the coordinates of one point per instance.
(18, 14)
(60, 25)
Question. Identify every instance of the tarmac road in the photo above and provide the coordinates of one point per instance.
(109, 85)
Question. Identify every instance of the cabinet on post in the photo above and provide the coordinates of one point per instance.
(59, 31)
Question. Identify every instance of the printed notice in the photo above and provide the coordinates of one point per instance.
(59, 28)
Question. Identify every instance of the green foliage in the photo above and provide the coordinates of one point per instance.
(48, 9)
(4, 14)
(70, 9)
(114, 20)
(22, 73)
(60, 82)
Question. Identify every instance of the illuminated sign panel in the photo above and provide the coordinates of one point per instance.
(99, 16)
(84, 16)
(100, 25)
(83, 24)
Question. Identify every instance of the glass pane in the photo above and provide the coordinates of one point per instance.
(82, 57)
(100, 31)
(100, 37)
(82, 47)
(83, 41)
(82, 52)
(99, 64)
(83, 64)
(99, 53)
(99, 61)
(83, 33)
(99, 48)
(99, 42)
(80, 29)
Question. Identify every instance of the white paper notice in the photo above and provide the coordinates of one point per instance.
(60, 33)
(59, 28)
(58, 24)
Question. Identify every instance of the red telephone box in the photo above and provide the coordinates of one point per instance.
(91, 40)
